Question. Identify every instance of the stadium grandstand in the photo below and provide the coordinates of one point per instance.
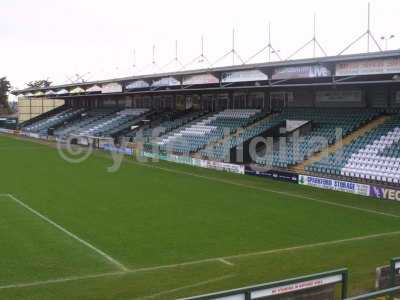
(181, 228)
(275, 180)
(332, 116)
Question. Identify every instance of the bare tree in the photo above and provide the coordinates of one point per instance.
(43, 83)
(4, 89)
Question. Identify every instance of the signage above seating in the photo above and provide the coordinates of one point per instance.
(38, 94)
(367, 67)
(243, 76)
(50, 93)
(94, 89)
(112, 87)
(307, 71)
(62, 92)
(138, 84)
(77, 90)
(166, 81)
(206, 78)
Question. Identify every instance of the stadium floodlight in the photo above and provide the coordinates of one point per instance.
(78, 78)
(175, 60)
(387, 39)
(367, 33)
(271, 49)
(199, 59)
(134, 60)
(232, 52)
(313, 41)
(154, 67)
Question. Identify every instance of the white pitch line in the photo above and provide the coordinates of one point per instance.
(186, 287)
(196, 262)
(266, 252)
(60, 280)
(315, 245)
(226, 262)
(70, 234)
(371, 211)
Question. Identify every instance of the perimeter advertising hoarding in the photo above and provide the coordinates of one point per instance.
(311, 287)
(121, 150)
(197, 162)
(243, 76)
(275, 174)
(4, 130)
(366, 67)
(295, 287)
(308, 71)
(333, 184)
(384, 193)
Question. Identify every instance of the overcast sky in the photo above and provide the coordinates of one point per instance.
(56, 39)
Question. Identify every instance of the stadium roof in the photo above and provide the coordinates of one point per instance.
(326, 60)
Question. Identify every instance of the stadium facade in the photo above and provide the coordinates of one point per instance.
(333, 121)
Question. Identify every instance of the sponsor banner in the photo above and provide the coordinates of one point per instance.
(138, 84)
(243, 76)
(290, 288)
(94, 89)
(345, 96)
(32, 135)
(233, 168)
(82, 141)
(122, 150)
(366, 67)
(166, 81)
(309, 71)
(61, 92)
(384, 193)
(224, 167)
(112, 87)
(77, 90)
(278, 175)
(4, 130)
(38, 94)
(50, 93)
(200, 79)
(333, 184)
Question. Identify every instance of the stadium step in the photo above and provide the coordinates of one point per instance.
(346, 140)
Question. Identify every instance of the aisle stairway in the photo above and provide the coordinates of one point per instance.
(338, 145)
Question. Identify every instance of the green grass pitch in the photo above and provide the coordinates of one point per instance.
(164, 231)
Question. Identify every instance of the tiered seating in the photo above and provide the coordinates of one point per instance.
(89, 118)
(373, 156)
(101, 122)
(42, 126)
(209, 129)
(169, 123)
(220, 150)
(324, 125)
(113, 123)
